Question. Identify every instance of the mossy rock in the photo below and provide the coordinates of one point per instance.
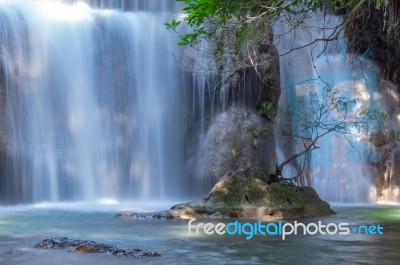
(247, 194)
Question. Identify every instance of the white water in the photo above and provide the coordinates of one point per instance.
(91, 101)
(338, 170)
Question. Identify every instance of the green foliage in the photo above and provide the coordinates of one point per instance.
(345, 105)
(352, 5)
(243, 22)
(255, 132)
(199, 12)
(266, 107)
(173, 24)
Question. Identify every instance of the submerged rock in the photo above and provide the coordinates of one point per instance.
(158, 215)
(132, 215)
(165, 215)
(85, 246)
(14, 251)
(61, 242)
(250, 194)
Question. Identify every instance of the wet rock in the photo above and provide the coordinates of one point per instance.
(249, 194)
(88, 249)
(61, 242)
(132, 215)
(14, 251)
(84, 246)
(237, 139)
(165, 215)
(158, 215)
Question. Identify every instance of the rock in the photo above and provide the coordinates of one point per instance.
(158, 215)
(132, 215)
(15, 251)
(84, 246)
(61, 242)
(238, 139)
(247, 194)
(165, 215)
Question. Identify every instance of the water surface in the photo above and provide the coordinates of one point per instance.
(22, 227)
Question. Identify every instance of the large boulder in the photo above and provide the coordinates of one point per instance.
(251, 194)
(234, 142)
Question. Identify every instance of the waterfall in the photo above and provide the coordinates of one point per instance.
(339, 169)
(91, 101)
(94, 104)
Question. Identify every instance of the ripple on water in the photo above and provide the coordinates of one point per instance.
(22, 229)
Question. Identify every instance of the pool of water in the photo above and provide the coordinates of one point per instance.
(22, 227)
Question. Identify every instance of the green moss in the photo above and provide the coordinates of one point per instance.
(244, 194)
(229, 194)
(286, 193)
(260, 173)
(255, 191)
(229, 198)
(239, 189)
(250, 188)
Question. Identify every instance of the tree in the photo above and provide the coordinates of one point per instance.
(201, 15)
(244, 20)
(328, 111)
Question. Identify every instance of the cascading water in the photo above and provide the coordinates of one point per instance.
(338, 170)
(91, 101)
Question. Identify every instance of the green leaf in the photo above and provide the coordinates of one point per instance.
(173, 24)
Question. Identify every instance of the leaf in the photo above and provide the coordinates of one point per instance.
(173, 24)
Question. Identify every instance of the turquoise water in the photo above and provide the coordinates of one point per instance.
(22, 227)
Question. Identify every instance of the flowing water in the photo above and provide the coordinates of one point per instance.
(338, 170)
(92, 101)
(23, 227)
(92, 112)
